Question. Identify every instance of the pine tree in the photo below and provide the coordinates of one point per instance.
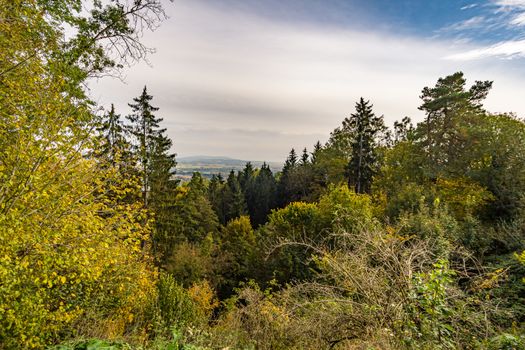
(246, 176)
(305, 157)
(233, 197)
(367, 129)
(450, 108)
(113, 140)
(151, 147)
(291, 161)
(263, 193)
(403, 130)
(215, 192)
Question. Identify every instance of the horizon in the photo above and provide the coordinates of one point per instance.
(229, 76)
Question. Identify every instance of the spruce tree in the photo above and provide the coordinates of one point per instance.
(246, 176)
(215, 196)
(112, 139)
(233, 197)
(317, 150)
(151, 147)
(264, 195)
(305, 157)
(367, 128)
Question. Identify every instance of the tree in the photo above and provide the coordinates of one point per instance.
(238, 244)
(233, 198)
(366, 129)
(113, 140)
(215, 196)
(305, 157)
(403, 130)
(285, 191)
(449, 108)
(317, 149)
(262, 196)
(70, 253)
(246, 176)
(151, 147)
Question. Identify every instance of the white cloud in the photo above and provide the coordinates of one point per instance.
(518, 19)
(230, 83)
(510, 3)
(506, 49)
(470, 23)
(468, 7)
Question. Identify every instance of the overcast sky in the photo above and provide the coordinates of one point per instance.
(252, 79)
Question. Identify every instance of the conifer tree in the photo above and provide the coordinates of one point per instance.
(215, 196)
(233, 197)
(151, 147)
(113, 140)
(291, 161)
(305, 157)
(114, 151)
(450, 108)
(403, 130)
(367, 129)
(246, 176)
(264, 195)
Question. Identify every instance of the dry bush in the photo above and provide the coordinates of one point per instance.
(375, 290)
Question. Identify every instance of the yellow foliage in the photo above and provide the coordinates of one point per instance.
(463, 196)
(204, 297)
(67, 250)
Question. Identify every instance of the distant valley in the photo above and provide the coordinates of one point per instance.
(210, 165)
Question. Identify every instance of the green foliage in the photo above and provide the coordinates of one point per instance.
(506, 342)
(366, 130)
(398, 267)
(238, 244)
(429, 309)
(176, 308)
(74, 251)
(190, 262)
(434, 225)
(187, 216)
(348, 211)
(261, 195)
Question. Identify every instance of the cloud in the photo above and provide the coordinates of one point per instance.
(468, 7)
(470, 23)
(507, 49)
(518, 19)
(241, 85)
(509, 4)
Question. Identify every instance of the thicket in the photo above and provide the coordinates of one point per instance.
(402, 238)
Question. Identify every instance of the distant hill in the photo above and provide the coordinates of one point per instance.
(209, 165)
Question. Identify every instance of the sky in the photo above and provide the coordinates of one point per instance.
(250, 79)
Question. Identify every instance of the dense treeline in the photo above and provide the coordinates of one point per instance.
(408, 237)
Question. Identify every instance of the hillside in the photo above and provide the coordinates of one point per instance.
(209, 165)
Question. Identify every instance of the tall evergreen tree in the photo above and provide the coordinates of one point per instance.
(450, 108)
(291, 161)
(246, 176)
(151, 146)
(215, 196)
(367, 129)
(233, 197)
(113, 140)
(317, 149)
(262, 195)
(305, 157)
(284, 192)
(114, 151)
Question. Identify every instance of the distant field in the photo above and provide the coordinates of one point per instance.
(209, 166)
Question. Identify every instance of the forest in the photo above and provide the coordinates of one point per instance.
(402, 237)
